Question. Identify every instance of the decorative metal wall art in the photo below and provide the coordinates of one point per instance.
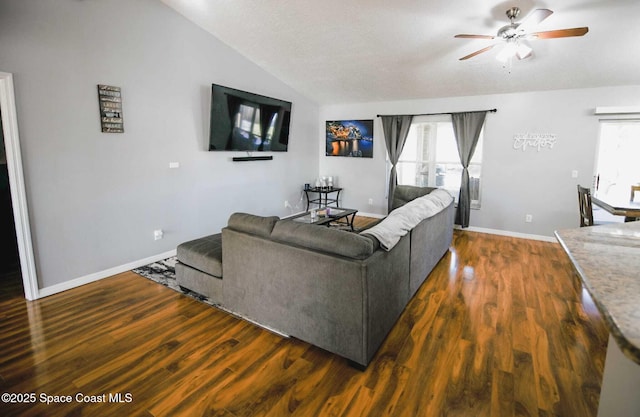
(110, 100)
(523, 141)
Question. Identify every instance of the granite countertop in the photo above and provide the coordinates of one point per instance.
(607, 258)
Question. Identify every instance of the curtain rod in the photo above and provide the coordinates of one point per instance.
(436, 114)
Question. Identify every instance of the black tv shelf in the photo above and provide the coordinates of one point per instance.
(252, 158)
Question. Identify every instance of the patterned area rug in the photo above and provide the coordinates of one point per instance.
(164, 272)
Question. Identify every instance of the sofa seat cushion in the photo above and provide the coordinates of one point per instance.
(203, 254)
(324, 239)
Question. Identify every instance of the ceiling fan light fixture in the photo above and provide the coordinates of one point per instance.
(507, 52)
(523, 51)
(514, 49)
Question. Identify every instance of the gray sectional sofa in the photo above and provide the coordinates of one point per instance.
(338, 290)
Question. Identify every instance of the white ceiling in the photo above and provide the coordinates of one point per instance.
(338, 51)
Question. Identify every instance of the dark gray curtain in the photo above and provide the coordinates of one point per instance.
(395, 129)
(466, 127)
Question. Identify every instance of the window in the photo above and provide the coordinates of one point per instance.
(617, 165)
(430, 159)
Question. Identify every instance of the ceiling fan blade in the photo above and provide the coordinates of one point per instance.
(477, 52)
(560, 33)
(533, 18)
(475, 36)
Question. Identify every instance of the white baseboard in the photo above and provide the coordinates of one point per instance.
(508, 233)
(67, 285)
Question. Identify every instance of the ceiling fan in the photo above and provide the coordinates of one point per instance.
(515, 34)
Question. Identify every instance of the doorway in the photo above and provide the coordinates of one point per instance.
(9, 261)
(16, 187)
(10, 278)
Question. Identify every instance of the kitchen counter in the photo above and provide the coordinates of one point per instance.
(607, 259)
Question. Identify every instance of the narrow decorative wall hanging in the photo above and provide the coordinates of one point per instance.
(534, 140)
(110, 100)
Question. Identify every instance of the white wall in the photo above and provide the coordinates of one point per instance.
(514, 183)
(95, 198)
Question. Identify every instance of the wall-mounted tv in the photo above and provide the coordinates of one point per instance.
(243, 121)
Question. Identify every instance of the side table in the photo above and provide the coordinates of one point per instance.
(323, 201)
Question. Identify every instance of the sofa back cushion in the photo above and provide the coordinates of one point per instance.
(323, 239)
(403, 219)
(250, 223)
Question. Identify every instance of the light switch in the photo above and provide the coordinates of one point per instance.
(574, 173)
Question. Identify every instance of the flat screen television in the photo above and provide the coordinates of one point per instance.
(243, 121)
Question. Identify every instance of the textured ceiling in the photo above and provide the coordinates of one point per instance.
(338, 51)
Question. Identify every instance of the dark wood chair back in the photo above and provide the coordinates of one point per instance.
(586, 209)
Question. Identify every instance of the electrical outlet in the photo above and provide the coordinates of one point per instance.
(371, 201)
(528, 218)
(574, 173)
(158, 234)
(286, 204)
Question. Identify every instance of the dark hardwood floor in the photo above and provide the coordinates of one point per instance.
(502, 327)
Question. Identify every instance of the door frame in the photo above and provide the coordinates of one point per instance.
(17, 186)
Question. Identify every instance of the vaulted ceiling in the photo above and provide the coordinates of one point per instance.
(337, 51)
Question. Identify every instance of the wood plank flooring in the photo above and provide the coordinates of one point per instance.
(502, 327)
